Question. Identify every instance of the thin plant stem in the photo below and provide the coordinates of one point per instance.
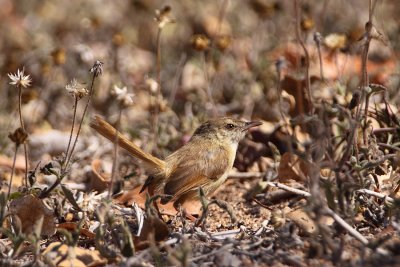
(72, 129)
(115, 161)
(46, 192)
(364, 96)
(12, 171)
(26, 163)
(364, 59)
(279, 91)
(81, 121)
(158, 93)
(21, 120)
(306, 55)
(96, 70)
(23, 127)
(376, 194)
(321, 65)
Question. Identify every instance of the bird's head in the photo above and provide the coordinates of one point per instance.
(225, 129)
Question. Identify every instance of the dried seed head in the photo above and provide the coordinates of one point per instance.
(97, 68)
(224, 42)
(164, 17)
(123, 96)
(200, 42)
(318, 38)
(307, 24)
(76, 89)
(19, 79)
(19, 136)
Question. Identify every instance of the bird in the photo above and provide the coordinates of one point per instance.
(204, 161)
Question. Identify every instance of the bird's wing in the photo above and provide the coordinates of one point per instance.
(197, 168)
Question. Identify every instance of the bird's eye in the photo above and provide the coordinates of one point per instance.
(230, 126)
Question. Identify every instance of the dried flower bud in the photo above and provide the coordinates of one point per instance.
(118, 39)
(58, 56)
(200, 42)
(97, 68)
(76, 89)
(223, 42)
(19, 136)
(307, 24)
(123, 96)
(152, 85)
(163, 16)
(19, 79)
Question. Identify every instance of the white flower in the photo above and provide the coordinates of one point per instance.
(76, 89)
(122, 95)
(19, 79)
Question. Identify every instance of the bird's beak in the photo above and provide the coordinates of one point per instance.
(251, 124)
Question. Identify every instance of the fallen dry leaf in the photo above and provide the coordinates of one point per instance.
(292, 167)
(72, 256)
(337, 65)
(29, 210)
(303, 221)
(98, 179)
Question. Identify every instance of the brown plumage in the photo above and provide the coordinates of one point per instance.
(202, 162)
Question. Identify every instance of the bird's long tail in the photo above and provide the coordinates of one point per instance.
(152, 164)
